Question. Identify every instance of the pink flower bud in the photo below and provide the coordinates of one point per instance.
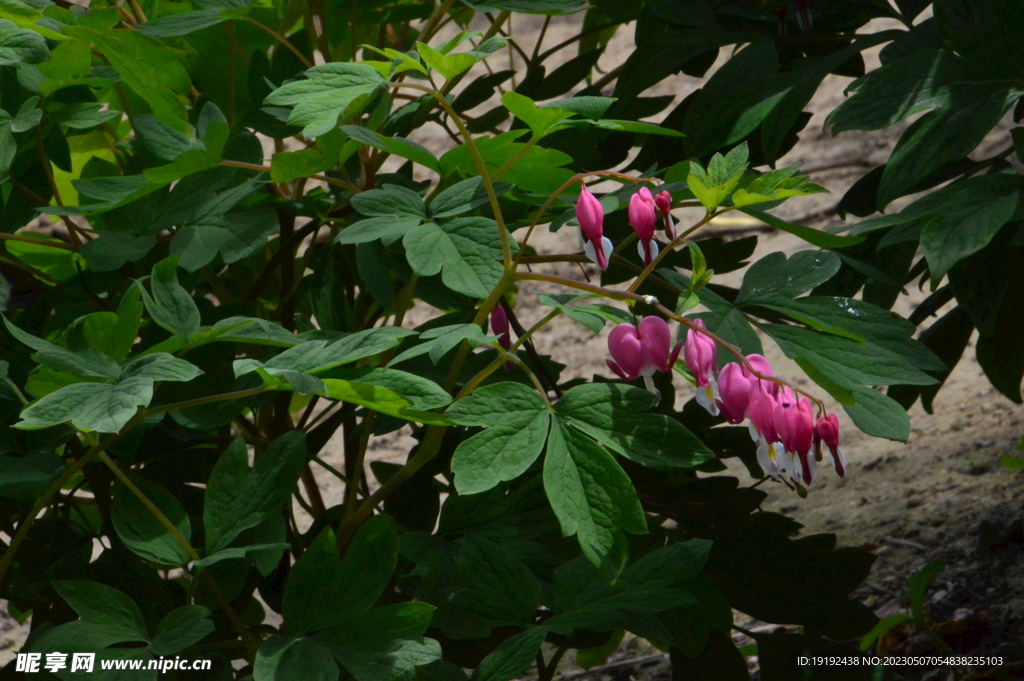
(827, 430)
(761, 366)
(699, 353)
(699, 356)
(642, 350)
(643, 219)
(664, 203)
(590, 215)
(499, 327)
(734, 386)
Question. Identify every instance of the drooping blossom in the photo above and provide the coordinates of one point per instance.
(735, 387)
(590, 215)
(794, 422)
(642, 350)
(664, 203)
(826, 431)
(699, 354)
(499, 327)
(759, 364)
(643, 219)
(762, 430)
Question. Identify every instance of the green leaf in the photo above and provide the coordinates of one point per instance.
(291, 165)
(160, 366)
(922, 80)
(388, 229)
(774, 185)
(536, 169)
(492, 587)
(90, 406)
(170, 305)
(385, 643)
(449, 65)
(513, 657)
(965, 214)
(104, 606)
(28, 116)
(919, 582)
(242, 552)
(446, 338)
(55, 261)
(85, 362)
(463, 197)
(329, 91)
(380, 399)
(775, 275)
(812, 236)
(984, 34)
(399, 146)
(139, 529)
(587, 315)
(592, 497)
(592, 108)
(847, 362)
(238, 497)
(284, 659)
(323, 591)
(637, 127)
(540, 120)
(25, 478)
(711, 187)
(878, 415)
(391, 200)
(421, 392)
(1012, 463)
(943, 136)
(21, 46)
(611, 414)
(182, 628)
(582, 599)
(859, 321)
(518, 421)
(153, 71)
(466, 251)
(944, 245)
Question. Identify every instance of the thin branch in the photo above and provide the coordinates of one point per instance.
(281, 39)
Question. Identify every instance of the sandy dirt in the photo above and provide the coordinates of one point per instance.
(943, 495)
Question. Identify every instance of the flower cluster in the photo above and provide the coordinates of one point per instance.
(788, 438)
(643, 212)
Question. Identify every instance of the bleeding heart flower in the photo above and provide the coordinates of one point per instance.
(699, 355)
(827, 430)
(499, 327)
(763, 432)
(759, 364)
(735, 386)
(664, 203)
(590, 215)
(642, 350)
(794, 422)
(643, 219)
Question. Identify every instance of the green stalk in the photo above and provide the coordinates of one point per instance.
(478, 161)
(250, 645)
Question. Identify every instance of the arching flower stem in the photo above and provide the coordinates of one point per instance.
(630, 296)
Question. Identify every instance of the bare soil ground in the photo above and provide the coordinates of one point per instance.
(943, 495)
